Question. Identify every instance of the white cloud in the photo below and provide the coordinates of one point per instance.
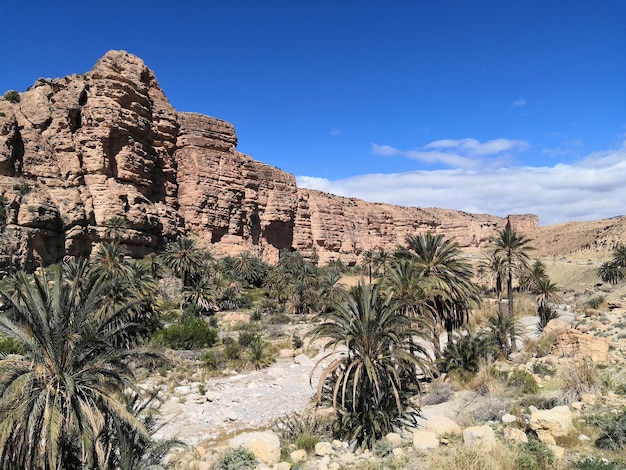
(467, 153)
(336, 132)
(590, 189)
(518, 103)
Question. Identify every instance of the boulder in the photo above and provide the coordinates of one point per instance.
(425, 440)
(570, 343)
(557, 421)
(514, 434)
(264, 445)
(554, 327)
(323, 448)
(443, 425)
(479, 435)
(393, 439)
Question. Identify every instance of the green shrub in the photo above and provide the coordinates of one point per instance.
(595, 302)
(523, 382)
(291, 426)
(232, 350)
(246, 337)
(534, 455)
(212, 360)
(592, 464)
(12, 96)
(306, 442)
(465, 352)
(189, 333)
(238, 458)
(382, 449)
(613, 431)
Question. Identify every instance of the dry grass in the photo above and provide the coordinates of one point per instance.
(578, 376)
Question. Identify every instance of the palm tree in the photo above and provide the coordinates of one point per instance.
(614, 271)
(449, 274)
(513, 248)
(494, 264)
(546, 294)
(382, 259)
(56, 398)
(116, 228)
(370, 383)
(184, 258)
(367, 262)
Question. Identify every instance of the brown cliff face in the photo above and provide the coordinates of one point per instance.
(80, 150)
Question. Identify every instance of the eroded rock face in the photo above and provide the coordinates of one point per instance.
(80, 150)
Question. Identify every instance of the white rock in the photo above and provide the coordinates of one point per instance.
(479, 435)
(557, 421)
(298, 456)
(393, 439)
(323, 449)
(425, 440)
(442, 425)
(264, 445)
(509, 418)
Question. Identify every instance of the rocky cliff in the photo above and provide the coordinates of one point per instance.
(77, 151)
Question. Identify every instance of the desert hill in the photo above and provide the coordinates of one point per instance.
(80, 150)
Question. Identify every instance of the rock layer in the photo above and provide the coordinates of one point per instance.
(80, 150)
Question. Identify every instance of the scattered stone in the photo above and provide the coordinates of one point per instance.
(282, 466)
(584, 438)
(398, 452)
(577, 405)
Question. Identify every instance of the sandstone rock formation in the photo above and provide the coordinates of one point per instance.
(80, 150)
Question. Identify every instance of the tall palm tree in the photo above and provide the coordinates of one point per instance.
(513, 248)
(450, 275)
(370, 383)
(414, 295)
(184, 258)
(368, 260)
(382, 259)
(56, 398)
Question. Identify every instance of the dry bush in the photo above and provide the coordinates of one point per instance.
(578, 376)
(502, 457)
(539, 347)
(487, 380)
(438, 392)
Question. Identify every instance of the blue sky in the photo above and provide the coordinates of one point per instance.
(482, 106)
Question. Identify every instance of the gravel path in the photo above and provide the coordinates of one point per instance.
(237, 402)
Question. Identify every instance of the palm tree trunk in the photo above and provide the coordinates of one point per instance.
(509, 286)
